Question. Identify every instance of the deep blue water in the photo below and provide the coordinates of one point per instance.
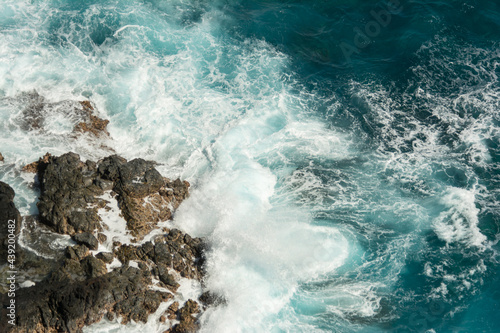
(344, 154)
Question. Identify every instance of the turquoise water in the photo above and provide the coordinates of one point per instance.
(344, 155)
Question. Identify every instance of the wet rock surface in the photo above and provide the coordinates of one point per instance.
(87, 239)
(91, 123)
(38, 111)
(70, 191)
(187, 318)
(40, 164)
(76, 286)
(66, 305)
(171, 252)
(144, 196)
(80, 291)
(67, 192)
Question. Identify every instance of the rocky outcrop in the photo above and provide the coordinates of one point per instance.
(68, 202)
(1, 157)
(187, 320)
(40, 164)
(91, 123)
(37, 112)
(66, 305)
(81, 291)
(70, 191)
(144, 196)
(76, 288)
(174, 251)
(87, 239)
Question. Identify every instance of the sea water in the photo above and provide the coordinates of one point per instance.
(343, 155)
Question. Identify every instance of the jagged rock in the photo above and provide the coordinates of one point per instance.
(79, 290)
(93, 267)
(1, 157)
(40, 164)
(77, 252)
(139, 307)
(140, 187)
(170, 251)
(66, 193)
(106, 257)
(138, 178)
(209, 298)
(87, 239)
(81, 114)
(172, 310)
(125, 253)
(68, 305)
(91, 124)
(109, 168)
(180, 191)
(71, 270)
(142, 215)
(146, 251)
(186, 317)
(162, 254)
(167, 278)
(104, 185)
(101, 237)
(69, 191)
(10, 220)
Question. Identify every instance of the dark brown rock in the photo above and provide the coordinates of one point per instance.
(68, 305)
(109, 168)
(125, 253)
(91, 123)
(138, 178)
(79, 290)
(144, 196)
(167, 278)
(93, 267)
(139, 307)
(66, 195)
(77, 252)
(101, 237)
(70, 189)
(87, 239)
(172, 310)
(188, 323)
(209, 298)
(40, 164)
(105, 257)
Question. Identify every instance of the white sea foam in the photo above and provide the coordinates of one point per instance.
(459, 222)
(114, 225)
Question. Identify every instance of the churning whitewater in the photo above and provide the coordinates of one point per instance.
(337, 194)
